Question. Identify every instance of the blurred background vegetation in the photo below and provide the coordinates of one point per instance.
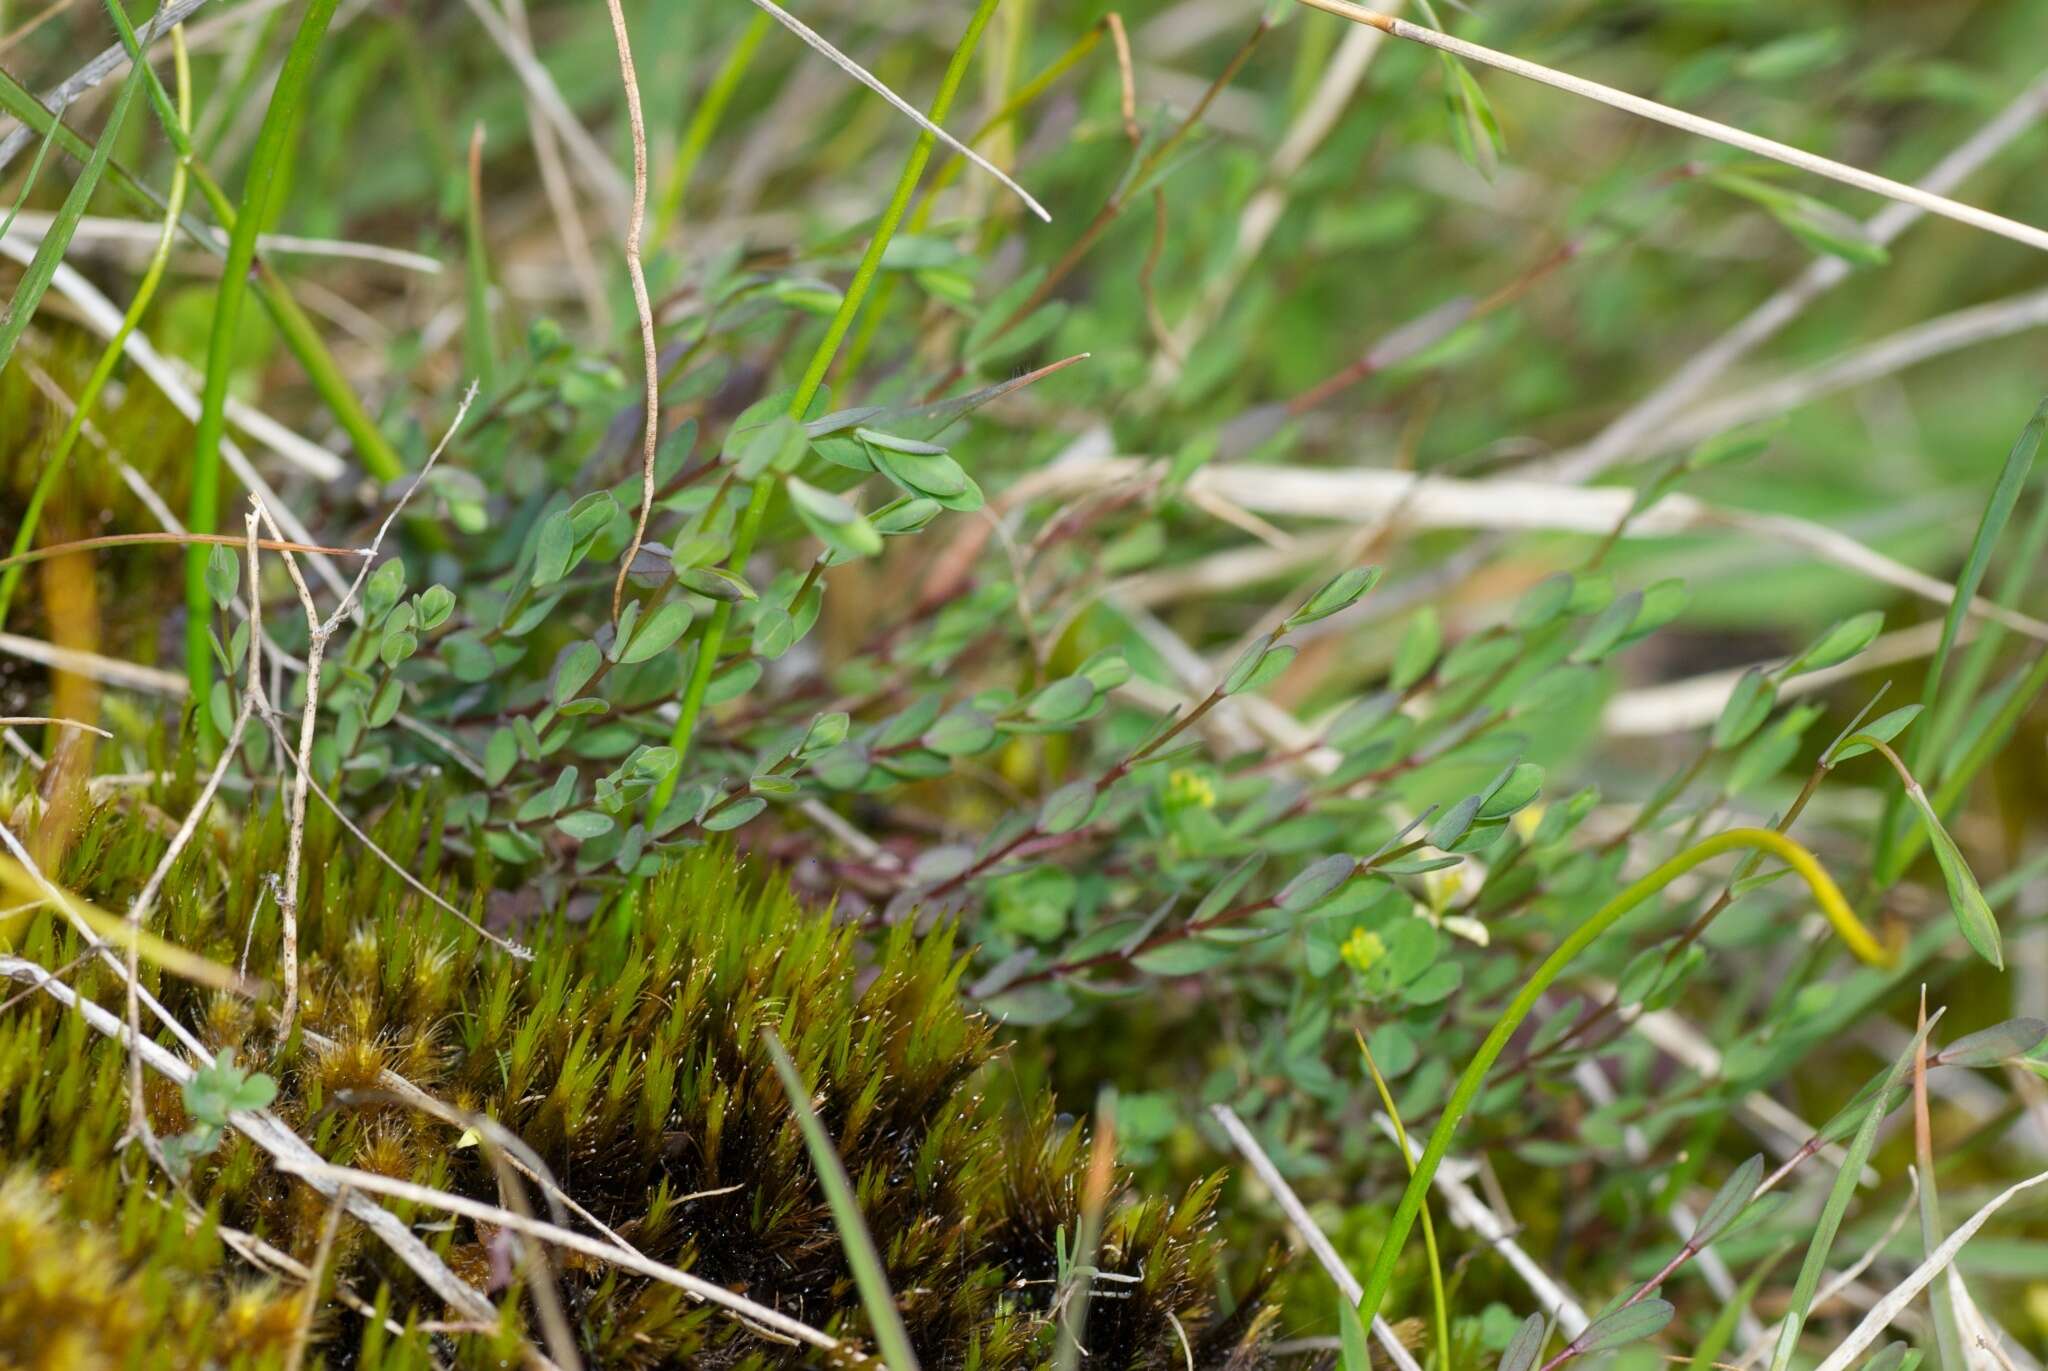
(1353, 303)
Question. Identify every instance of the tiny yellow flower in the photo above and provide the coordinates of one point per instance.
(1526, 819)
(1186, 789)
(1441, 887)
(1362, 949)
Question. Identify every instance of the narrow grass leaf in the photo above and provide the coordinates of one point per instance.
(1721, 1331)
(2012, 479)
(43, 266)
(1837, 1206)
(35, 169)
(1998, 1043)
(1353, 1353)
(883, 1316)
(280, 121)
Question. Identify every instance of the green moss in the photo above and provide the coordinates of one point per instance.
(629, 1054)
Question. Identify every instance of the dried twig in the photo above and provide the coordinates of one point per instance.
(95, 228)
(145, 899)
(312, 1168)
(1693, 123)
(1896, 1300)
(904, 107)
(269, 1133)
(319, 631)
(649, 352)
(1305, 1226)
(32, 720)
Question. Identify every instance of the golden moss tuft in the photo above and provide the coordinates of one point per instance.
(73, 1296)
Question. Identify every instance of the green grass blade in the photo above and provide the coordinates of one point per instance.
(1967, 681)
(868, 1272)
(1721, 1331)
(1436, 1266)
(103, 370)
(1839, 1195)
(28, 184)
(1577, 941)
(1987, 744)
(479, 343)
(704, 122)
(43, 266)
(813, 378)
(379, 458)
(280, 120)
(19, 101)
(2012, 479)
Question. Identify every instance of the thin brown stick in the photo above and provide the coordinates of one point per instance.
(278, 544)
(650, 354)
(138, 911)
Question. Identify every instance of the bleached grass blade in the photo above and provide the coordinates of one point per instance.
(1305, 1225)
(852, 68)
(105, 320)
(1625, 436)
(1905, 1292)
(1690, 123)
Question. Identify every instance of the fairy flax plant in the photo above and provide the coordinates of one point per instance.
(712, 640)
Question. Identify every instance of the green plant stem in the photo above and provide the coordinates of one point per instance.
(807, 389)
(950, 171)
(46, 481)
(704, 122)
(1584, 936)
(203, 510)
(1436, 1265)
